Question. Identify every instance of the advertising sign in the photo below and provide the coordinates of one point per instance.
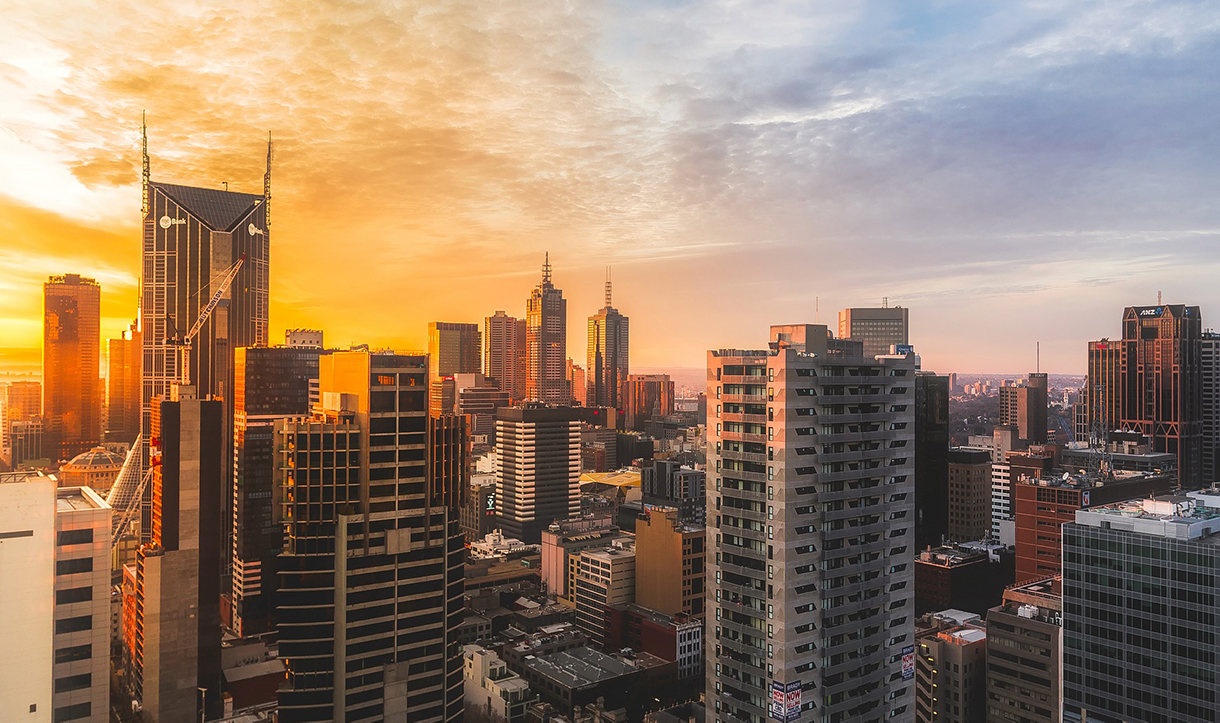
(785, 701)
(777, 700)
(908, 662)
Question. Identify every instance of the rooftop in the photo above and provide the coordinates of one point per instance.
(96, 457)
(578, 667)
(1090, 480)
(68, 499)
(220, 210)
(1193, 516)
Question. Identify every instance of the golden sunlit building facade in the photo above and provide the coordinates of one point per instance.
(70, 365)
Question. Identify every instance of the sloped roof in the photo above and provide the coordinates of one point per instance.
(220, 210)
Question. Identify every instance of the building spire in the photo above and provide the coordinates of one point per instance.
(607, 287)
(546, 269)
(267, 187)
(144, 164)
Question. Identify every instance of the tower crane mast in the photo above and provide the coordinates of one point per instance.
(184, 343)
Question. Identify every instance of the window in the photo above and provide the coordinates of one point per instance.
(75, 537)
(69, 567)
(72, 625)
(73, 595)
(76, 652)
(73, 682)
(72, 712)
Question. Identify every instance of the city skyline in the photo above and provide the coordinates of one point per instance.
(975, 150)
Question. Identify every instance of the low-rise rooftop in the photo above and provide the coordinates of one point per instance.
(1192, 516)
(578, 667)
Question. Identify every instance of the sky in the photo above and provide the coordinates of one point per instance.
(1013, 172)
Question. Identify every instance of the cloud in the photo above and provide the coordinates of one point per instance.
(957, 155)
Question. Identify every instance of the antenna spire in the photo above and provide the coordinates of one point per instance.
(607, 287)
(546, 268)
(267, 186)
(145, 203)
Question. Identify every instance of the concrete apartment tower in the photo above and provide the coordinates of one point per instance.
(810, 504)
(606, 372)
(537, 469)
(370, 491)
(504, 353)
(71, 348)
(546, 340)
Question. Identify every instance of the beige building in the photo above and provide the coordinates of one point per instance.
(969, 494)
(491, 689)
(562, 543)
(605, 577)
(665, 546)
(96, 469)
(951, 668)
(1024, 644)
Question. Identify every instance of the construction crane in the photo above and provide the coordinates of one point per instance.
(127, 491)
(184, 343)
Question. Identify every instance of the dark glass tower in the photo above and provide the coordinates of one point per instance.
(931, 460)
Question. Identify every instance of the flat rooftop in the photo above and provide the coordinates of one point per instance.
(578, 667)
(1090, 480)
(1192, 516)
(69, 499)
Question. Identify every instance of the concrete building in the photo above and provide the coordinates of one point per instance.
(71, 357)
(371, 573)
(574, 678)
(1042, 506)
(562, 543)
(962, 577)
(578, 382)
(969, 494)
(546, 341)
(537, 469)
(605, 576)
(931, 459)
(810, 465)
(608, 356)
(123, 364)
(97, 469)
(178, 572)
(1024, 644)
(303, 339)
(504, 353)
(27, 593)
(270, 383)
(951, 668)
(1024, 408)
(647, 396)
(669, 637)
(477, 396)
(1124, 452)
(670, 484)
(453, 348)
(877, 328)
(1139, 623)
(1209, 369)
(669, 568)
(491, 689)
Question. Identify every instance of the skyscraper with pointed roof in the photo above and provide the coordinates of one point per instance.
(546, 338)
(607, 361)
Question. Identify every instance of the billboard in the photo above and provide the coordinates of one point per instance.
(908, 662)
(785, 700)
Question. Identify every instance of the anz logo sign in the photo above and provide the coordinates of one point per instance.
(1151, 312)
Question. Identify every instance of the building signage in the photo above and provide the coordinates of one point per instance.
(1151, 312)
(785, 700)
(254, 230)
(908, 662)
(166, 221)
(1085, 498)
(904, 349)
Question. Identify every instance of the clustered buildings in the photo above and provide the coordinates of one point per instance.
(242, 531)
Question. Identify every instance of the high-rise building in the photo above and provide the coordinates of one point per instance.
(562, 543)
(477, 396)
(1041, 506)
(931, 459)
(546, 341)
(669, 567)
(1024, 407)
(950, 668)
(669, 484)
(24, 400)
(811, 492)
(877, 328)
(503, 353)
(123, 387)
(191, 237)
(607, 356)
(370, 600)
(605, 576)
(454, 348)
(1210, 372)
(270, 383)
(178, 570)
(969, 494)
(578, 383)
(1024, 642)
(1139, 610)
(969, 576)
(537, 469)
(647, 396)
(71, 358)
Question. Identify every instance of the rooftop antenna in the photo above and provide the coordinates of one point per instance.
(607, 287)
(817, 310)
(144, 165)
(1158, 298)
(885, 302)
(546, 268)
(267, 186)
(1038, 358)
(226, 185)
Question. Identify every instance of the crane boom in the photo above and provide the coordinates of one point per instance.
(185, 343)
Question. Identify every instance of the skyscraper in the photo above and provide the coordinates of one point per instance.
(191, 236)
(647, 396)
(969, 494)
(537, 469)
(178, 571)
(270, 383)
(578, 383)
(71, 361)
(606, 371)
(370, 600)
(876, 328)
(1139, 610)
(1210, 369)
(454, 348)
(503, 351)
(546, 317)
(123, 387)
(810, 491)
(931, 460)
